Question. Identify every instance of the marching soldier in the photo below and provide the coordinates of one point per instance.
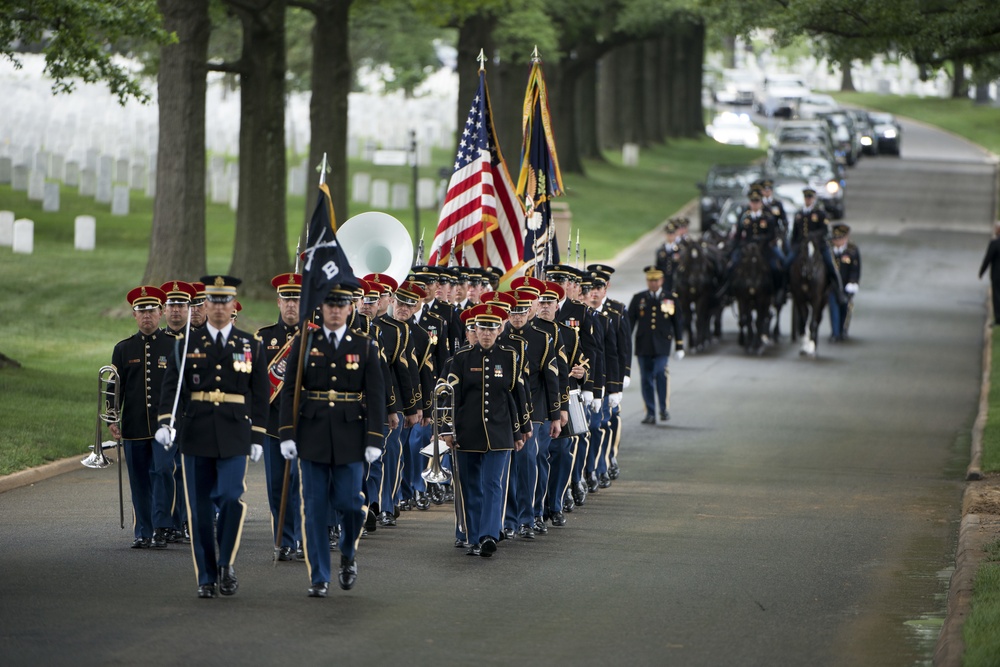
(140, 361)
(198, 307)
(656, 327)
(277, 340)
(847, 257)
(615, 349)
(340, 417)
(485, 427)
(223, 416)
(991, 261)
(607, 345)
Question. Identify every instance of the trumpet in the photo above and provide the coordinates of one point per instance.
(436, 474)
(108, 400)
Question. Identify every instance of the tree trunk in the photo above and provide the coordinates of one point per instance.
(651, 79)
(694, 116)
(475, 33)
(846, 80)
(562, 80)
(177, 242)
(665, 93)
(587, 139)
(608, 120)
(261, 248)
(508, 82)
(331, 84)
(959, 84)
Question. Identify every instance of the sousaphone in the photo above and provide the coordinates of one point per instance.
(376, 242)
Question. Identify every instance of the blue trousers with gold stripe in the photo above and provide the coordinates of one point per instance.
(211, 483)
(483, 491)
(274, 470)
(561, 452)
(324, 486)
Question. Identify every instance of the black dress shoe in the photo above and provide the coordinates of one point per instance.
(473, 550)
(436, 494)
(568, 503)
(348, 573)
(604, 481)
(300, 553)
(174, 535)
(423, 502)
(206, 591)
(580, 493)
(507, 534)
(185, 534)
(539, 527)
(558, 519)
(664, 416)
(386, 519)
(649, 419)
(371, 522)
(613, 469)
(592, 483)
(395, 513)
(460, 543)
(286, 554)
(141, 543)
(525, 532)
(319, 590)
(228, 585)
(333, 532)
(159, 540)
(449, 494)
(487, 547)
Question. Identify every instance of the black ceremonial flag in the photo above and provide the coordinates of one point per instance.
(324, 262)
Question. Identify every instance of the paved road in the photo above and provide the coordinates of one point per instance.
(793, 512)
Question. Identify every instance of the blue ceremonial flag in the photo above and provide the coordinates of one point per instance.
(324, 262)
(539, 179)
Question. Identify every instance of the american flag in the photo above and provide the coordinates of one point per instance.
(480, 204)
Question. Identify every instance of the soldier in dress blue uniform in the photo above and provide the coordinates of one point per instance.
(847, 257)
(812, 221)
(180, 296)
(485, 427)
(657, 326)
(340, 416)
(774, 205)
(198, 307)
(666, 255)
(277, 339)
(223, 418)
(141, 360)
(757, 225)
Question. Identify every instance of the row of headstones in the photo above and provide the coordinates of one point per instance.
(19, 234)
(380, 194)
(98, 184)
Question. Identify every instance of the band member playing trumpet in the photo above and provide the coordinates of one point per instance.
(485, 427)
(140, 361)
(277, 340)
(221, 381)
(340, 414)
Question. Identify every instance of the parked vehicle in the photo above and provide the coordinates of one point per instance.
(792, 132)
(845, 136)
(722, 182)
(735, 129)
(888, 132)
(791, 151)
(818, 173)
(869, 146)
(816, 103)
(739, 87)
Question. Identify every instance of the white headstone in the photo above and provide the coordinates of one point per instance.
(220, 188)
(121, 170)
(93, 155)
(6, 228)
(138, 178)
(400, 196)
(234, 193)
(151, 183)
(423, 154)
(380, 194)
(6, 169)
(102, 193)
(72, 173)
(24, 236)
(630, 155)
(361, 183)
(88, 182)
(50, 201)
(19, 182)
(425, 193)
(297, 180)
(57, 168)
(85, 232)
(36, 185)
(42, 163)
(119, 202)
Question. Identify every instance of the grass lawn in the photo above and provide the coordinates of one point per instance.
(63, 310)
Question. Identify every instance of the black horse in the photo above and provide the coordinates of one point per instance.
(696, 282)
(753, 288)
(810, 289)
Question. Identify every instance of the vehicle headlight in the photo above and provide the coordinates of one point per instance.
(890, 134)
(707, 202)
(866, 141)
(833, 187)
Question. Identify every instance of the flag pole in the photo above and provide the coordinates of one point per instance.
(279, 527)
(482, 72)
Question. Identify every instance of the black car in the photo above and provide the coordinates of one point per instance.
(888, 132)
(722, 182)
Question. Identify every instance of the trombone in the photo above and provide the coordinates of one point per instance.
(108, 395)
(436, 474)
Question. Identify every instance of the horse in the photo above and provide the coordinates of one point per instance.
(753, 288)
(810, 288)
(719, 248)
(696, 281)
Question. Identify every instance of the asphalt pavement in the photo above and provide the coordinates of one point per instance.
(793, 511)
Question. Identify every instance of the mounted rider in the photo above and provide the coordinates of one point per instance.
(813, 222)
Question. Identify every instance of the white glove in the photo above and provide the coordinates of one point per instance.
(372, 454)
(679, 354)
(626, 381)
(587, 396)
(256, 451)
(165, 436)
(595, 406)
(288, 449)
(851, 288)
(614, 399)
